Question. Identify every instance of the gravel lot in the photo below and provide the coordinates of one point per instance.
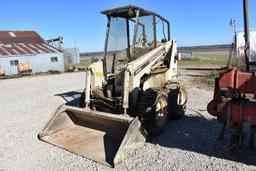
(186, 144)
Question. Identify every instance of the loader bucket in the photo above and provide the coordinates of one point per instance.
(102, 137)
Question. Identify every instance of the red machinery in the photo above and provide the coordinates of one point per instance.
(234, 101)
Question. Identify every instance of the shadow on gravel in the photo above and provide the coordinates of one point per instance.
(198, 134)
(71, 98)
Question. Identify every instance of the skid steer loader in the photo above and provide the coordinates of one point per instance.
(129, 94)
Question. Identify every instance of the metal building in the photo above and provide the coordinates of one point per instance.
(17, 47)
(71, 56)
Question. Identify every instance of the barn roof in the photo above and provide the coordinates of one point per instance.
(13, 43)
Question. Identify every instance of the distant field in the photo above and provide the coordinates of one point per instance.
(199, 59)
(206, 59)
(84, 63)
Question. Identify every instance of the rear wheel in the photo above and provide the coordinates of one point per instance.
(177, 100)
(153, 110)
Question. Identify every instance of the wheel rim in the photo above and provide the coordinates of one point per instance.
(161, 112)
(181, 99)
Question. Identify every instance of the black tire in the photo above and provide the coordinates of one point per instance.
(177, 100)
(81, 100)
(153, 110)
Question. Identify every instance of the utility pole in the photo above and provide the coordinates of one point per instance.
(247, 35)
(233, 24)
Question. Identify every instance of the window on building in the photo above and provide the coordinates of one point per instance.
(14, 62)
(54, 59)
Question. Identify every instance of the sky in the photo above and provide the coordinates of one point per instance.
(193, 22)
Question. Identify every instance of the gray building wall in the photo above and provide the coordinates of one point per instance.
(39, 62)
(71, 56)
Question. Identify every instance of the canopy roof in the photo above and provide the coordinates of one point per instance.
(129, 12)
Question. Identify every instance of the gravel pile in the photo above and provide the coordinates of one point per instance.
(186, 144)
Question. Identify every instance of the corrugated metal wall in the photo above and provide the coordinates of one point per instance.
(39, 62)
(71, 56)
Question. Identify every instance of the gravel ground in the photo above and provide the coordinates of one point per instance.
(186, 144)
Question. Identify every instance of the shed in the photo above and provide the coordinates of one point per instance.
(18, 47)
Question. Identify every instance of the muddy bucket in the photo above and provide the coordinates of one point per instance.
(102, 137)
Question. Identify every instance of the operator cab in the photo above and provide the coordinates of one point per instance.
(131, 33)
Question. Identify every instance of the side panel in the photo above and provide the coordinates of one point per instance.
(138, 69)
(156, 80)
(143, 66)
(172, 72)
(97, 74)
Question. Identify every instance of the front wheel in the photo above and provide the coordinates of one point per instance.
(153, 110)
